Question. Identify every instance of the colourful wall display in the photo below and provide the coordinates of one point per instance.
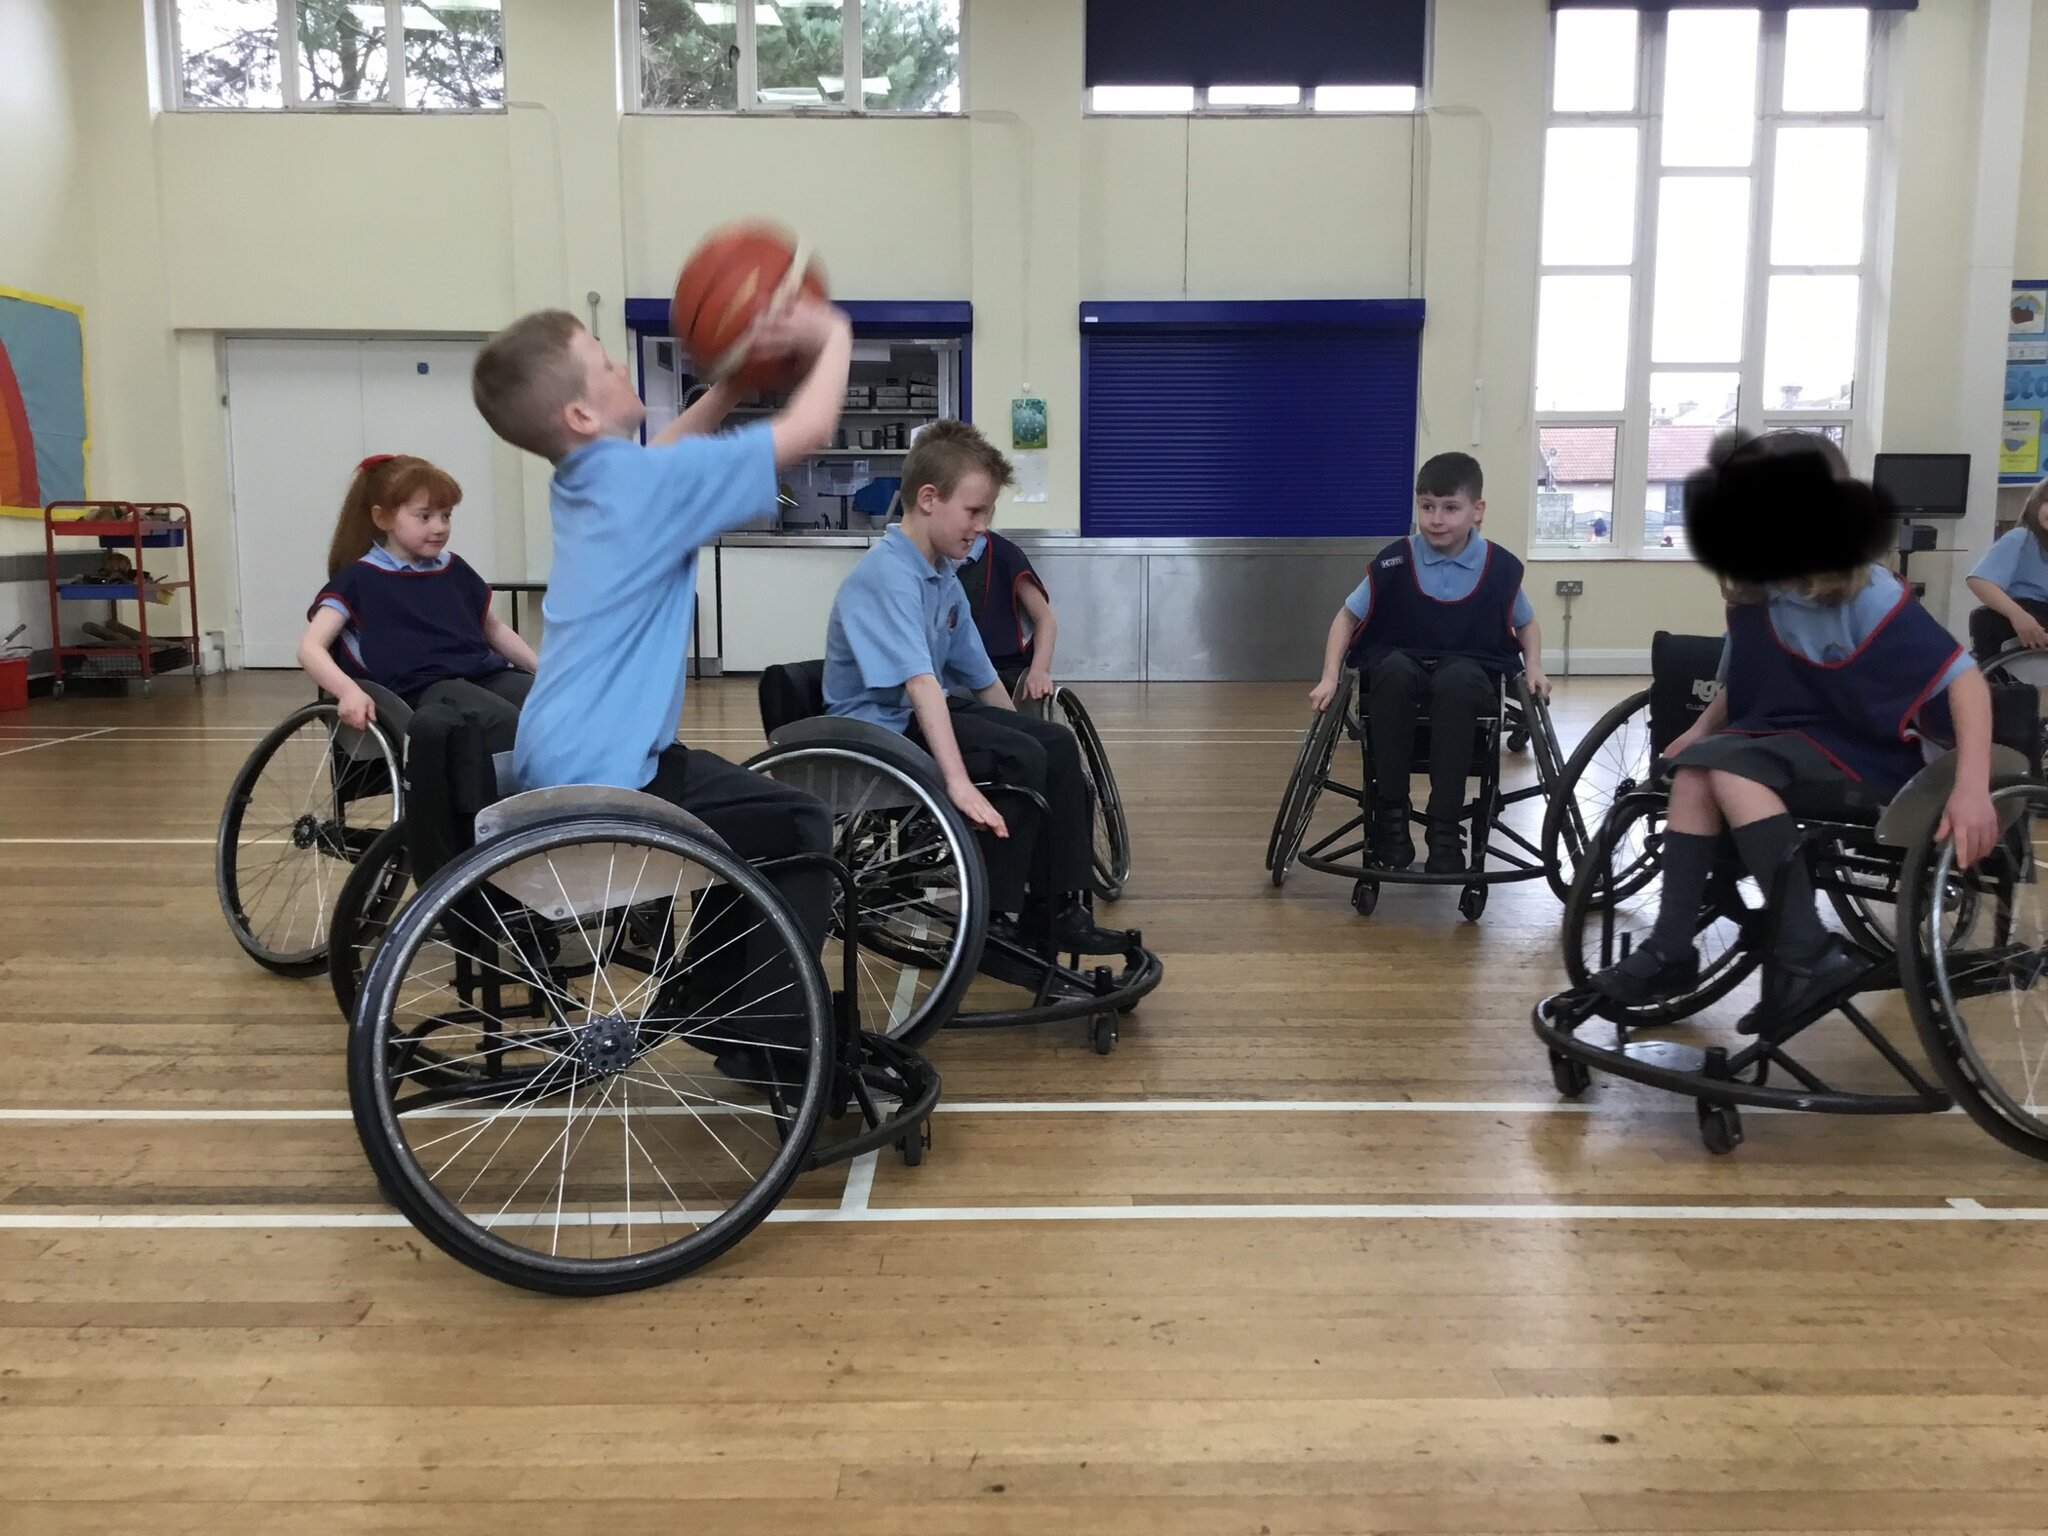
(44, 437)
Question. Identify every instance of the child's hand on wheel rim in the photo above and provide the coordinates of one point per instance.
(1970, 821)
(1322, 693)
(973, 804)
(356, 710)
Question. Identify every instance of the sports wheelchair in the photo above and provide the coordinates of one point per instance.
(920, 921)
(1518, 716)
(1966, 948)
(597, 1048)
(305, 807)
(1112, 830)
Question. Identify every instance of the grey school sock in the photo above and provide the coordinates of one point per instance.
(1688, 860)
(1763, 846)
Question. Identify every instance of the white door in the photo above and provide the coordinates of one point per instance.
(301, 416)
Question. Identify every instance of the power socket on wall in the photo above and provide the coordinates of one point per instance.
(1571, 589)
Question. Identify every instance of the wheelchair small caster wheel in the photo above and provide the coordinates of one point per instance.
(1102, 1033)
(911, 1146)
(1720, 1127)
(1472, 902)
(57, 688)
(1365, 895)
(1571, 1076)
(148, 686)
(1517, 740)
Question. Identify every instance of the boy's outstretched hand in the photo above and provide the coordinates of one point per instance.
(1969, 819)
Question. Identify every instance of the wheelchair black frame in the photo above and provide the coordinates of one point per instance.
(1718, 1080)
(1524, 860)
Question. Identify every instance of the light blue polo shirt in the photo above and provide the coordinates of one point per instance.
(2016, 566)
(898, 617)
(1832, 633)
(1447, 578)
(628, 522)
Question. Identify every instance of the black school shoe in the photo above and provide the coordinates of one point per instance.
(1803, 984)
(1446, 841)
(1074, 932)
(1392, 845)
(1648, 976)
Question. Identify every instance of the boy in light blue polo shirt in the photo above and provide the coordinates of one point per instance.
(628, 521)
(2011, 581)
(1439, 619)
(902, 638)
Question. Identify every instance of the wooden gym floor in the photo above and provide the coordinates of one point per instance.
(1317, 1250)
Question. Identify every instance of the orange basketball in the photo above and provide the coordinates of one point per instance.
(727, 281)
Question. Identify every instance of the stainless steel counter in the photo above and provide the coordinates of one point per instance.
(1130, 610)
(1194, 610)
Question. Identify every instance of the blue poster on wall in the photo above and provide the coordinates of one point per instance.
(2026, 386)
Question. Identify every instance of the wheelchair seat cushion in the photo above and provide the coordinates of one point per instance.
(791, 692)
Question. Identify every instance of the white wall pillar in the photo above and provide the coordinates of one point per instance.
(1990, 236)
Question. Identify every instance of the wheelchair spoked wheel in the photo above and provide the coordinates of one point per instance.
(1978, 988)
(369, 903)
(1305, 787)
(308, 802)
(1605, 918)
(569, 1098)
(1612, 760)
(919, 883)
(1112, 848)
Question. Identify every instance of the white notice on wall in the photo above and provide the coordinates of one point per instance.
(1032, 476)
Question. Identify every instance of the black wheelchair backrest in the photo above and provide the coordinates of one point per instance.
(1682, 683)
(449, 779)
(791, 692)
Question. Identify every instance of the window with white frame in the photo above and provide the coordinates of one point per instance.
(1705, 247)
(1261, 100)
(795, 55)
(319, 54)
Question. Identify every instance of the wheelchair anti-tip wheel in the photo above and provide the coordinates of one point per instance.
(308, 802)
(568, 1097)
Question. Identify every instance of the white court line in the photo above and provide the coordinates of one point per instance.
(213, 1221)
(957, 1107)
(860, 1182)
(58, 742)
(105, 842)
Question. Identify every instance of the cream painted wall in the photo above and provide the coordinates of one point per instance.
(201, 224)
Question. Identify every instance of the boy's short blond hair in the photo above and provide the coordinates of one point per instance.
(525, 376)
(947, 452)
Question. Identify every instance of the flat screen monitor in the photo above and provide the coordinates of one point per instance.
(1924, 484)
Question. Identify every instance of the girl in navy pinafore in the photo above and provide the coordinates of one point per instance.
(1837, 687)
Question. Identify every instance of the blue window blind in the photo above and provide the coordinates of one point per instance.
(1282, 42)
(1288, 420)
